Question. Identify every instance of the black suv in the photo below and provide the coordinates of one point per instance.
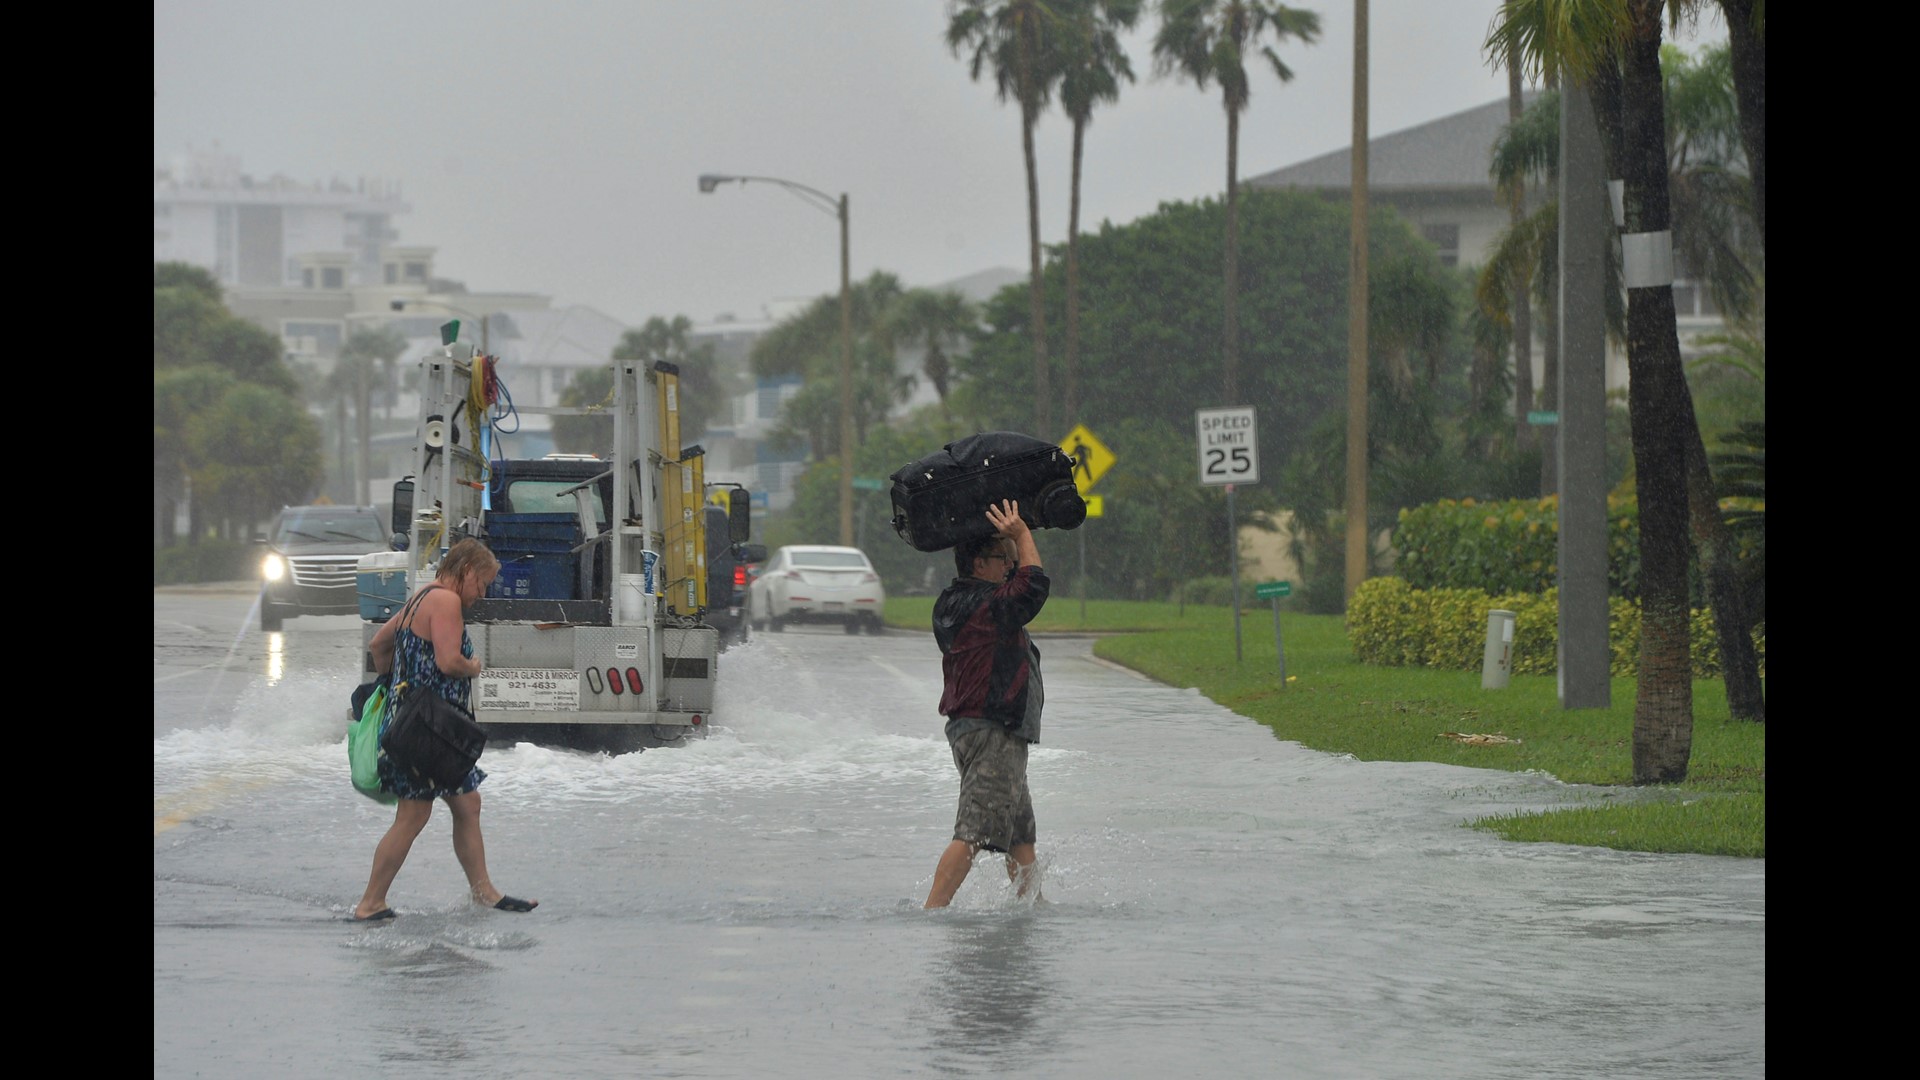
(312, 558)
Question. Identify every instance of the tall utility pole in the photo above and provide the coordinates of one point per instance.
(1357, 540)
(1585, 217)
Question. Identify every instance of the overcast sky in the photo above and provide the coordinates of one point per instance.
(553, 147)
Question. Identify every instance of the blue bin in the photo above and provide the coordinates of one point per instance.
(514, 583)
(537, 560)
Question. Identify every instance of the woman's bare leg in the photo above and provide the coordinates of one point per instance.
(391, 853)
(470, 848)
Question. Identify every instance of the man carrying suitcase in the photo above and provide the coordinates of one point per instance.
(992, 698)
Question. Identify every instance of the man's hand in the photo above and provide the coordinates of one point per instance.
(1006, 519)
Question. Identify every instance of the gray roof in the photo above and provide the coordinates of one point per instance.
(1450, 153)
(980, 285)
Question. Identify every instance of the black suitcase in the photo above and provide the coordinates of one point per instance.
(942, 499)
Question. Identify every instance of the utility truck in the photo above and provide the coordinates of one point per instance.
(594, 633)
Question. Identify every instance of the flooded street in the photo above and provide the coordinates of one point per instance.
(1218, 903)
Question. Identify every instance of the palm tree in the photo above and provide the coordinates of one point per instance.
(807, 344)
(352, 378)
(1207, 41)
(1706, 180)
(938, 321)
(1092, 67)
(1014, 39)
(1615, 46)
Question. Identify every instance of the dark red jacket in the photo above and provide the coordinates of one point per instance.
(981, 629)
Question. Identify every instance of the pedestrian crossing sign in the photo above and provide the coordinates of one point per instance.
(1091, 458)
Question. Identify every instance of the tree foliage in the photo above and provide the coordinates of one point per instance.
(809, 345)
(1152, 350)
(1153, 356)
(226, 414)
(253, 452)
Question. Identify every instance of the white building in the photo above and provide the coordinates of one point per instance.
(276, 232)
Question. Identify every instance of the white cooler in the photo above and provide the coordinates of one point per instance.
(382, 584)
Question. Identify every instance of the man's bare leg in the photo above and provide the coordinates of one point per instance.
(1021, 869)
(952, 870)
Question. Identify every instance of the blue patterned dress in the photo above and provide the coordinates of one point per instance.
(414, 665)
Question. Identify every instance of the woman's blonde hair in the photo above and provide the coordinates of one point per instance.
(466, 555)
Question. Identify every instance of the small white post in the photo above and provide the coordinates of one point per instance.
(1497, 663)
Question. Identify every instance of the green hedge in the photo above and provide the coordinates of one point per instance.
(1506, 547)
(1391, 623)
(209, 560)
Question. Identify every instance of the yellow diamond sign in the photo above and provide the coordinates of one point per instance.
(1091, 458)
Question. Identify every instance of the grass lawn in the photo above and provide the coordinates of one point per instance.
(1331, 702)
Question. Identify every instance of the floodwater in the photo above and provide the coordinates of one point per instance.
(1217, 903)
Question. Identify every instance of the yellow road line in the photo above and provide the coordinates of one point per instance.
(174, 810)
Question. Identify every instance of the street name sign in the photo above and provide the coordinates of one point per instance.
(1229, 448)
(1269, 589)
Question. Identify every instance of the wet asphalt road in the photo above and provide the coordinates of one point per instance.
(1219, 903)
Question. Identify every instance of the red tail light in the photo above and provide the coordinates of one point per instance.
(633, 680)
(739, 575)
(696, 719)
(613, 681)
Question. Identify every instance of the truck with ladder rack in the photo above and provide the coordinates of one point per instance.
(594, 634)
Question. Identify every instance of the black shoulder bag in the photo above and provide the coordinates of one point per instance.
(429, 736)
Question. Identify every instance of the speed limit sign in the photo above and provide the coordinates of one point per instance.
(1229, 452)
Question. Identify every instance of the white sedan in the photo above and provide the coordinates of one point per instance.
(816, 583)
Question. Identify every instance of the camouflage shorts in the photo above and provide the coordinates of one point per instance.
(996, 811)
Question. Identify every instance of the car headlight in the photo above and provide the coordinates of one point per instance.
(273, 568)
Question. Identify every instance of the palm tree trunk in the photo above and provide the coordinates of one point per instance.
(1230, 338)
(1523, 314)
(1071, 368)
(1747, 48)
(1036, 287)
(1732, 621)
(345, 473)
(1036, 291)
(1660, 407)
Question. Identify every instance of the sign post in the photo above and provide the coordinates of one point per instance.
(1275, 590)
(1229, 455)
(866, 483)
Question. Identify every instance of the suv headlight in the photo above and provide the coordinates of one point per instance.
(273, 568)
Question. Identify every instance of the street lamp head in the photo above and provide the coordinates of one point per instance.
(709, 181)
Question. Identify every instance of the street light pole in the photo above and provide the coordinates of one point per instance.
(846, 385)
(838, 208)
(485, 349)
